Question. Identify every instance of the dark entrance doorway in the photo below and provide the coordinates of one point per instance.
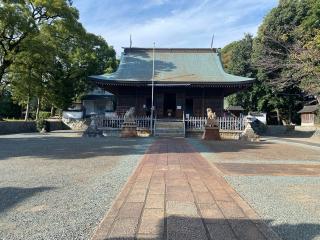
(148, 107)
(169, 105)
(189, 106)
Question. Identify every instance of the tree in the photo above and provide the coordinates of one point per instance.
(78, 55)
(285, 49)
(29, 72)
(239, 55)
(306, 70)
(22, 19)
(274, 48)
(51, 64)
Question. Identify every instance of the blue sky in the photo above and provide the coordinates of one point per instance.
(172, 23)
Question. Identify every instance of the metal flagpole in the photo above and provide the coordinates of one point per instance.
(152, 91)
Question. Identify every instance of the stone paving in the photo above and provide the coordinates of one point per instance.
(175, 193)
(278, 178)
(251, 169)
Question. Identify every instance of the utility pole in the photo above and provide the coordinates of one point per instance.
(130, 41)
(212, 40)
(152, 91)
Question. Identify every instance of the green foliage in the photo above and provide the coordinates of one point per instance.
(22, 19)
(285, 49)
(40, 124)
(8, 109)
(46, 54)
(44, 115)
(284, 59)
(240, 57)
(226, 53)
(239, 54)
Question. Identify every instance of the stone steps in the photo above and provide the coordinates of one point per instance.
(167, 128)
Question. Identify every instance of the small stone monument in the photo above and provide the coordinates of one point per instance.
(129, 126)
(211, 129)
(92, 130)
(249, 134)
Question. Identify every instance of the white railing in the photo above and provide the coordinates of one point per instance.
(232, 123)
(225, 123)
(191, 123)
(196, 123)
(117, 121)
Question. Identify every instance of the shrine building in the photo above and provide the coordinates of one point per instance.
(186, 80)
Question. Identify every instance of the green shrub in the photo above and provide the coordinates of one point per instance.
(44, 115)
(41, 123)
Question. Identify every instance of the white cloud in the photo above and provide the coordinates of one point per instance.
(152, 3)
(189, 27)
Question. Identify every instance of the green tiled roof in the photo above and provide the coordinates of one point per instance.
(171, 65)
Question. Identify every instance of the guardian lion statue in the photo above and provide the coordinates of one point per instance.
(212, 118)
(130, 115)
(210, 114)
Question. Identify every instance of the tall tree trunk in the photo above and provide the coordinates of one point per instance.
(38, 109)
(52, 111)
(27, 109)
(278, 116)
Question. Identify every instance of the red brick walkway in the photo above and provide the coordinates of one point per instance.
(176, 194)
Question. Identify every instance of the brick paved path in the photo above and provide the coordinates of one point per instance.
(176, 194)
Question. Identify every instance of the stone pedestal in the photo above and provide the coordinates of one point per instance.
(211, 133)
(129, 129)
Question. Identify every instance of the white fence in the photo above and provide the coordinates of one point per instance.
(191, 123)
(117, 121)
(225, 123)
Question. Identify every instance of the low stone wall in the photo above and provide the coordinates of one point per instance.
(12, 127)
(224, 134)
(116, 132)
(230, 135)
(274, 130)
(54, 125)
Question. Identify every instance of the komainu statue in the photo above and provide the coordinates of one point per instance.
(211, 129)
(130, 115)
(212, 118)
(129, 126)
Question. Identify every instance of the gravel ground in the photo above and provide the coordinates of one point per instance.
(59, 186)
(289, 204)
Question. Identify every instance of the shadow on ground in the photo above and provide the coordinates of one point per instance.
(84, 147)
(185, 228)
(70, 147)
(11, 196)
